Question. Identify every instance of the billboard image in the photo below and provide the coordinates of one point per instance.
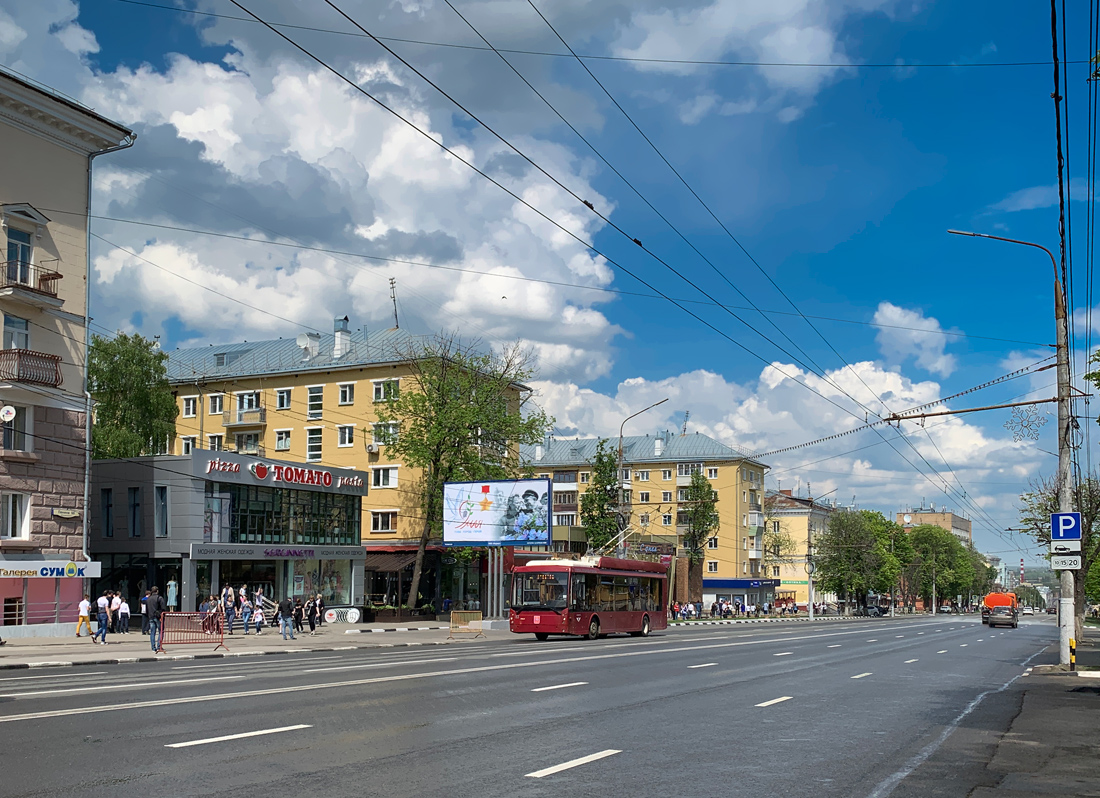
(514, 512)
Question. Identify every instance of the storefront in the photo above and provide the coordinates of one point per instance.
(743, 591)
(198, 522)
(42, 596)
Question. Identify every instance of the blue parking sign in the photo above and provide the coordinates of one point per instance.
(1065, 526)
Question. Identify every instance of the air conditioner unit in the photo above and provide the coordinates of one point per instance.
(372, 448)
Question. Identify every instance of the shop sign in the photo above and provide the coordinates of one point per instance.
(246, 551)
(49, 569)
(230, 467)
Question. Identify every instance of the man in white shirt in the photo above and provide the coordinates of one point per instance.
(116, 605)
(85, 616)
(103, 616)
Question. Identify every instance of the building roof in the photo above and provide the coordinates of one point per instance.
(636, 449)
(287, 356)
(784, 502)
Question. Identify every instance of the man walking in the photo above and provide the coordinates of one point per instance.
(103, 616)
(286, 617)
(144, 614)
(154, 608)
(85, 616)
(116, 605)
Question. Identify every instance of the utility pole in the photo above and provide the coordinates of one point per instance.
(1065, 451)
(393, 298)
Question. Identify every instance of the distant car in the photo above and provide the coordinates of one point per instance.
(1027, 611)
(1003, 616)
(875, 612)
(1052, 610)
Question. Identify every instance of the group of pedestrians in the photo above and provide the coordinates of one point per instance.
(112, 613)
(293, 614)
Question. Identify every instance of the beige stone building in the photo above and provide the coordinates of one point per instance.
(957, 525)
(48, 142)
(800, 519)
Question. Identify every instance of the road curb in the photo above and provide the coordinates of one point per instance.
(219, 655)
(397, 629)
(766, 620)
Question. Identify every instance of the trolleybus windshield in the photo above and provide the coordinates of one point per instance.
(541, 591)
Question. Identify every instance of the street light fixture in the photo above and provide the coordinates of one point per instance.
(1065, 483)
(619, 476)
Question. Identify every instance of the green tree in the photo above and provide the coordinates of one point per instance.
(135, 412)
(853, 558)
(600, 502)
(943, 567)
(700, 514)
(1092, 584)
(460, 416)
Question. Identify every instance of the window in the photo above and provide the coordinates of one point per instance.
(712, 543)
(626, 475)
(712, 566)
(248, 443)
(15, 432)
(775, 570)
(219, 359)
(745, 543)
(744, 520)
(643, 476)
(216, 401)
(643, 519)
(190, 405)
(666, 495)
(314, 401)
(187, 443)
(385, 433)
(14, 509)
(565, 519)
(384, 477)
(133, 512)
(19, 255)
(248, 401)
(160, 511)
(313, 444)
(712, 473)
(666, 474)
(565, 476)
(565, 497)
(215, 443)
(282, 440)
(385, 390)
(682, 495)
(346, 433)
(666, 519)
(282, 399)
(384, 521)
(643, 496)
(687, 469)
(744, 567)
(16, 333)
(744, 495)
(584, 477)
(775, 527)
(347, 393)
(107, 512)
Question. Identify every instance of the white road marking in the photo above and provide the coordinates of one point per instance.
(910, 661)
(377, 665)
(783, 654)
(557, 687)
(252, 664)
(779, 700)
(939, 630)
(899, 635)
(942, 652)
(61, 676)
(572, 763)
(920, 633)
(873, 641)
(962, 645)
(239, 736)
(861, 675)
(126, 686)
(834, 645)
(704, 665)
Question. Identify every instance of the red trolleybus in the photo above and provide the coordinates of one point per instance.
(591, 596)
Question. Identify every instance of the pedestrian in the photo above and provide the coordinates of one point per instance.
(299, 615)
(155, 608)
(320, 610)
(116, 603)
(258, 617)
(124, 617)
(246, 611)
(103, 617)
(144, 614)
(311, 615)
(84, 616)
(286, 617)
(258, 598)
(229, 606)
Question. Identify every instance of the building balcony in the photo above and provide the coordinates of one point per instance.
(756, 519)
(755, 554)
(565, 508)
(565, 486)
(36, 368)
(755, 507)
(251, 450)
(30, 283)
(683, 481)
(255, 417)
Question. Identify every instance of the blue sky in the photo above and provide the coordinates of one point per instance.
(840, 181)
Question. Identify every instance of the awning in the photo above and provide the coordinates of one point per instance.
(388, 562)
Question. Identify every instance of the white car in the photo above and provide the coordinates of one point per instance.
(1027, 611)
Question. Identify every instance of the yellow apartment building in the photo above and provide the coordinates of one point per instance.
(802, 519)
(656, 472)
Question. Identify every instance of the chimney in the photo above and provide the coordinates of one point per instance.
(658, 445)
(342, 345)
(786, 492)
(538, 452)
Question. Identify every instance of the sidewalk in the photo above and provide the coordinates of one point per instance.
(134, 647)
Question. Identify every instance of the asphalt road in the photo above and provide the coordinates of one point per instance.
(836, 709)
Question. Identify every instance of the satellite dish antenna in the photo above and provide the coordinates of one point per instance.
(7, 413)
(302, 340)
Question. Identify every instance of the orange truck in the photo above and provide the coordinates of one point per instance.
(998, 600)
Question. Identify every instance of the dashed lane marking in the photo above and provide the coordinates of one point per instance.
(783, 654)
(704, 665)
(873, 641)
(834, 645)
(910, 661)
(962, 645)
(572, 763)
(238, 736)
(557, 687)
(942, 652)
(861, 675)
(779, 700)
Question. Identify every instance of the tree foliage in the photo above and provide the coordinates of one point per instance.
(858, 553)
(461, 416)
(600, 502)
(778, 546)
(699, 513)
(135, 412)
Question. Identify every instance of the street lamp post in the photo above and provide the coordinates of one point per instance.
(619, 476)
(1065, 479)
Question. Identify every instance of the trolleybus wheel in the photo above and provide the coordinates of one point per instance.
(542, 636)
(593, 629)
(645, 628)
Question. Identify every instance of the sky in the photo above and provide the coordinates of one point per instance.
(760, 241)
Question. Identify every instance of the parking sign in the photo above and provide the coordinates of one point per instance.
(1065, 526)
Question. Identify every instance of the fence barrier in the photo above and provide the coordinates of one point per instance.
(466, 622)
(184, 628)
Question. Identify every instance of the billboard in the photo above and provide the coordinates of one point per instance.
(514, 512)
